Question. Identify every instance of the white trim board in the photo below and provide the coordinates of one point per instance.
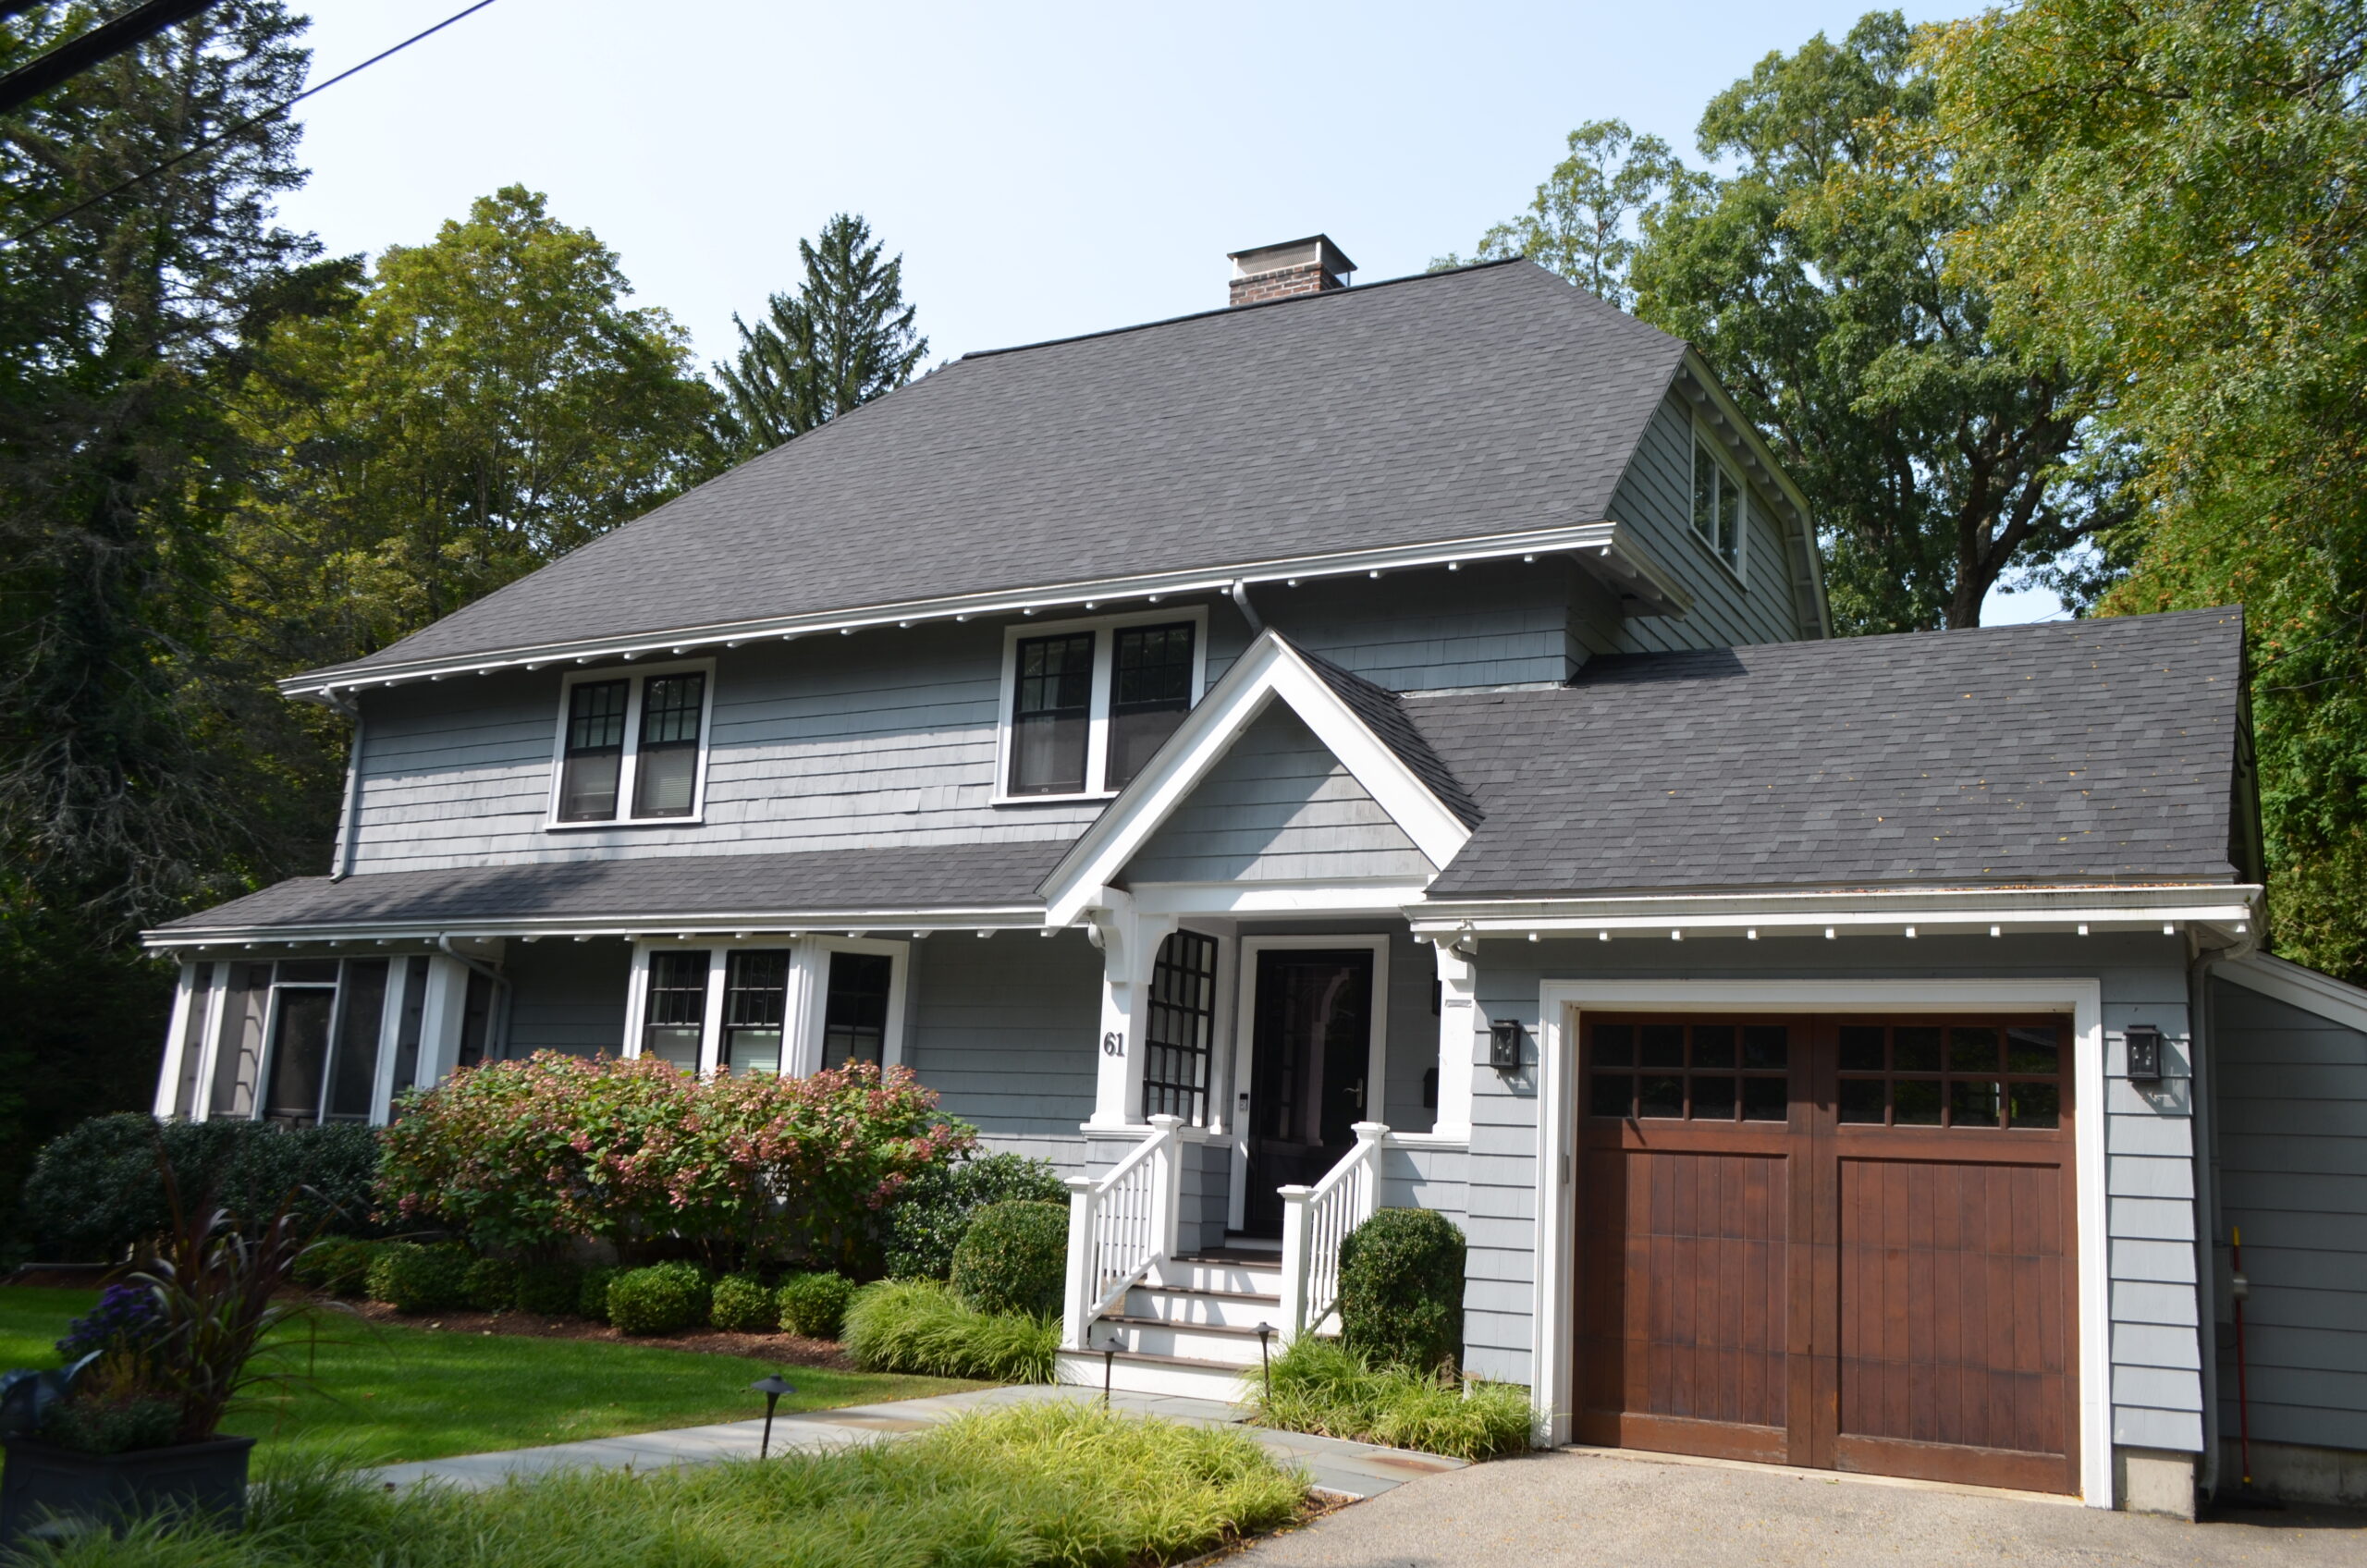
(2335, 1000)
(1270, 670)
(1552, 1364)
(1605, 546)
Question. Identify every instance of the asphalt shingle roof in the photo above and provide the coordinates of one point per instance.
(1438, 408)
(1382, 711)
(2093, 750)
(938, 876)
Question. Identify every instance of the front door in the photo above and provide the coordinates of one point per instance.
(1310, 1053)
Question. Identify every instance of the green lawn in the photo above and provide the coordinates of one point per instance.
(383, 1393)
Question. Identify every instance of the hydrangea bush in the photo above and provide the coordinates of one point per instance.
(521, 1156)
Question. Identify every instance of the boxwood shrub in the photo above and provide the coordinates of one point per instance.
(592, 1296)
(340, 1266)
(741, 1305)
(935, 1208)
(414, 1278)
(1400, 1290)
(1013, 1258)
(492, 1284)
(815, 1305)
(551, 1287)
(664, 1298)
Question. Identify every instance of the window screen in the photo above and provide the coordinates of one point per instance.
(854, 1016)
(1149, 693)
(1180, 1028)
(666, 762)
(595, 751)
(361, 1014)
(675, 1017)
(300, 1051)
(1051, 714)
(755, 1000)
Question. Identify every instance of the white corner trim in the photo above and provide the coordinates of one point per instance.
(1270, 670)
(2080, 995)
(2295, 986)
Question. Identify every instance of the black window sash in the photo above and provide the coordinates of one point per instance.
(666, 760)
(1179, 1032)
(1150, 690)
(592, 768)
(1051, 716)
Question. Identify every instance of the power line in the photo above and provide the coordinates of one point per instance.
(84, 50)
(224, 134)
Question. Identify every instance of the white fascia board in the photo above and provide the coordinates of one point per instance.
(1605, 544)
(2335, 1000)
(884, 922)
(1270, 670)
(1936, 911)
(1379, 896)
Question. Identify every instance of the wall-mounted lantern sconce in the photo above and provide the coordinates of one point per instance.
(1504, 1045)
(2144, 1053)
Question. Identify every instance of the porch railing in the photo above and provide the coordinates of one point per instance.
(1121, 1224)
(1315, 1220)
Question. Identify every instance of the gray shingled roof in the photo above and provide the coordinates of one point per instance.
(938, 876)
(2093, 751)
(1445, 407)
(1382, 711)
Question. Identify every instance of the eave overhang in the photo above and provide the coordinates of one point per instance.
(914, 922)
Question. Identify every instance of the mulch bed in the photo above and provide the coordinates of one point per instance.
(783, 1349)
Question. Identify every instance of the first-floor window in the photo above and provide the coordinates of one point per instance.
(755, 1004)
(677, 1012)
(854, 1015)
(300, 1043)
(1179, 1031)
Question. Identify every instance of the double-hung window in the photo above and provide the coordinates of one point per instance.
(759, 1009)
(1721, 503)
(1087, 704)
(633, 747)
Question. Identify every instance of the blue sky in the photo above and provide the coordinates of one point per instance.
(1044, 169)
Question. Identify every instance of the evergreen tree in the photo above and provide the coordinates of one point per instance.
(843, 339)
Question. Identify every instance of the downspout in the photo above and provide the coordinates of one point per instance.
(1241, 601)
(348, 822)
(496, 1024)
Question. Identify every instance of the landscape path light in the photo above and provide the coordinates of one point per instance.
(772, 1385)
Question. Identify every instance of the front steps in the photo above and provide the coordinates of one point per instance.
(1189, 1329)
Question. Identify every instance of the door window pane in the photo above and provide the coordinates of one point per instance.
(1972, 1050)
(854, 1015)
(359, 1019)
(1664, 1045)
(1149, 693)
(1613, 1095)
(1050, 720)
(1915, 1048)
(2037, 1106)
(595, 748)
(1661, 1096)
(1615, 1045)
(676, 1014)
(666, 763)
(300, 1052)
(1181, 1028)
(755, 1000)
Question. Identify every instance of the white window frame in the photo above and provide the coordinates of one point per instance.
(628, 768)
(803, 1009)
(1739, 568)
(1105, 646)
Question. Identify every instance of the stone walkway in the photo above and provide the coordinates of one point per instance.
(1355, 1470)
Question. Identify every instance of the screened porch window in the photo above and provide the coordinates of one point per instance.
(677, 1009)
(632, 748)
(1181, 1028)
(322, 1021)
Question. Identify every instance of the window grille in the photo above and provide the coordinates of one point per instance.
(675, 1015)
(1151, 693)
(595, 751)
(1051, 714)
(755, 1001)
(665, 764)
(854, 1016)
(1180, 1030)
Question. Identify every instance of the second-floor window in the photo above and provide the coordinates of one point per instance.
(632, 747)
(1090, 704)
(1721, 503)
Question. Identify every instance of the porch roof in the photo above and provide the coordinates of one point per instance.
(965, 882)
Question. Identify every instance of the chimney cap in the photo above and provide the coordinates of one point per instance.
(1316, 249)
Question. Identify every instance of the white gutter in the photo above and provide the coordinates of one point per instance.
(731, 925)
(1606, 547)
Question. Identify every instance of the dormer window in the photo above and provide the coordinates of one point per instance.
(1721, 503)
(632, 748)
(1087, 703)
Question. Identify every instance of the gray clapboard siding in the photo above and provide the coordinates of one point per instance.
(567, 996)
(2291, 1102)
(1279, 806)
(1491, 623)
(1004, 1029)
(1655, 497)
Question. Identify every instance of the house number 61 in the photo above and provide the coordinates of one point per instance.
(1113, 1044)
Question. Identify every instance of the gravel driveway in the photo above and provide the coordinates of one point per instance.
(1575, 1509)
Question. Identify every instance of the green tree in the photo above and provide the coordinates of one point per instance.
(1584, 222)
(2191, 235)
(843, 339)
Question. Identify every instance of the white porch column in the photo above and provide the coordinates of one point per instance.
(441, 1018)
(189, 996)
(1129, 942)
(1458, 1020)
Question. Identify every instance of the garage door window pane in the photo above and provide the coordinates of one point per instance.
(1915, 1048)
(1662, 1097)
(1613, 1095)
(1714, 1045)
(1713, 1099)
(1861, 1048)
(1972, 1102)
(1862, 1100)
(1664, 1045)
(1972, 1050)
(2037, 1106)
(2033, 1050)
(1767, 1046)
(1615, 1045)
(1766, 1099)
(1916, 1102)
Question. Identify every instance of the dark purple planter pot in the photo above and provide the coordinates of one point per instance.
(41, 1488)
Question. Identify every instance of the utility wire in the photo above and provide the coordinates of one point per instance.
(86, 49)
(221, 136)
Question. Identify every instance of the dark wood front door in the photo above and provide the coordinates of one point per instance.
(1310, 1051)
(1841, 1243)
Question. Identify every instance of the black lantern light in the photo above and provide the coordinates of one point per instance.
(1504, 1045)
(772, 1385)
(2144, 1053)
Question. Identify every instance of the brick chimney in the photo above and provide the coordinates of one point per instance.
(1280, 272)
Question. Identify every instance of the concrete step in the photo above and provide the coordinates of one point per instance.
(1191, 1341)
(1138, 1374)
(1232, 1309)
(1224, 1275)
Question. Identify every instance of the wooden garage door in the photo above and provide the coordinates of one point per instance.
(1843, 1242)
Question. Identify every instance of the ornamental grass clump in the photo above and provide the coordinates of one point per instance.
(921, 1326)
(1321, 1385)
(519, 1155)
